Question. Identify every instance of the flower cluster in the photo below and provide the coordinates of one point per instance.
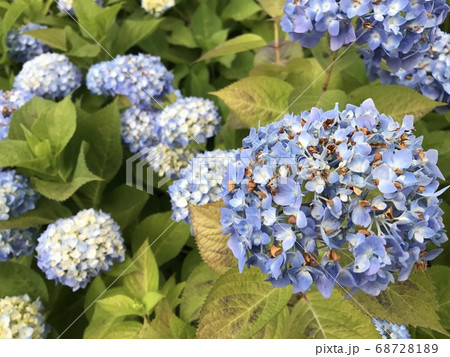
(142, 78)
(186, 119)
(67, 5)
(74, 250)
(431, 76)
(200, 182)
(10, 101)
(49, 75)
(139, 128)
(16, 242)
(16, 195)
(389, 330)
(20, 317)
(23, 47)
(347, 197)
(398, 31)
(157, 7)
(167, 161)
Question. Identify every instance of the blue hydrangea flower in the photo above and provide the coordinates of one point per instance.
(22, 47)
(49, 75)
(21, 317)
(157, 7)
(168, 162)
(142, 78)
(10, 101)
(397, 31)
(186, 119)
(431, 76)
(139, 128)
(16, 195)
(389, 330)
(72, 251)
(67, 5)
(200, 182)
(16, 243)
(312, 187)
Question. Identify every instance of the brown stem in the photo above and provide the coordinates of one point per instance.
(326, 82)
(276, 42)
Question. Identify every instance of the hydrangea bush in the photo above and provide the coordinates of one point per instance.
(224, 169)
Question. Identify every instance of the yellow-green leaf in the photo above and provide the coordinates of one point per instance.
(239, 305)
(212, 244)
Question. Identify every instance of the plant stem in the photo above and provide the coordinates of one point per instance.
(326, 82)
(276, 42)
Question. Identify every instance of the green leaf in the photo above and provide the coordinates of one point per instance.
(79, 46)
(197, 288)
(239, 305)
(182, 36)
(412, 302)
(133, 30)
(124, 330)
(333, 318)
(276, 327)
(396, 101)
(303, 98)
(15, 153)
(61, 191)
(150, 300)
(303, 72)
(273, 7)
(212, 244)
(205, 23)
(270, 70)
(239, 10)
(287, 50)
(124, 203)
(101, 130)
(238, 44)
(95, 21)
(27, 115)
(54, 37)
(440, 275)
(146, 277)
(46, 212)
(17, 279)
(148, 331)
(165, 236)
(168, 325)
(50, 125)
(121, 305)
(256, 100)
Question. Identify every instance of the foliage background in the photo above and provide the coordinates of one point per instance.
(234, 53)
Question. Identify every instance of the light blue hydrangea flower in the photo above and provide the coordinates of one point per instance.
(431, 76)
(188, 119)
(168, 162)
(321, 183)
(10, 101)
(139, 128)
(157, 7)
(67, 5)
(72, 251)
(16, 243)
(16, 195)
(49, 75)
(142, 78)
(389, 330)
(22, 318)
(23, 47)
(398, 31)
(200, 182)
